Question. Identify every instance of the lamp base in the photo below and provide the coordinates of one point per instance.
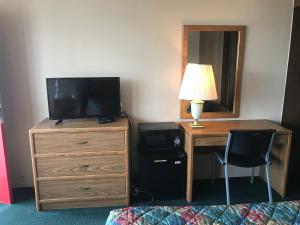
(197, 124)
(196, 110)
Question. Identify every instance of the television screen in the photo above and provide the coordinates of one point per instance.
(70, 98)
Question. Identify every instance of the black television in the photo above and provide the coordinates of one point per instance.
(72, 98)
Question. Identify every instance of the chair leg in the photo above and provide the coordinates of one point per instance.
(227, 184)
(268, 182)
(252, 175)
(212, 168)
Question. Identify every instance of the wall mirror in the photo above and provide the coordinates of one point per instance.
(223, 48)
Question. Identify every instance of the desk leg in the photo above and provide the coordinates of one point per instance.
(279, 157)
(189, 149)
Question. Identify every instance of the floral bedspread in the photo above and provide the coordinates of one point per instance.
(282, 213)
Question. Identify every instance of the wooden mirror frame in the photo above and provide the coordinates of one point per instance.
(238, 72)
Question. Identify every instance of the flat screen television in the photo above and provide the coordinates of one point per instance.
(71, 98)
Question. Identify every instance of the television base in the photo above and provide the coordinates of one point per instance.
(60, 121)
(105, 119)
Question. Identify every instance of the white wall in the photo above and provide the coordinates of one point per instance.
(138, 40)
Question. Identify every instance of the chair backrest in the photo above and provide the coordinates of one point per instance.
(250, 143)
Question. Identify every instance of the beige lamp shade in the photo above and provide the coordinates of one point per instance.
(198, 83)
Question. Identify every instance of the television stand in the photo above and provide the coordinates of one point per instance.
(60, 121)
(80, 163)
(104, 119)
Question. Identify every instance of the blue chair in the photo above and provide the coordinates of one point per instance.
(247, 148)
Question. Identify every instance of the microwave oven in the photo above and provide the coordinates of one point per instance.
(164, 136)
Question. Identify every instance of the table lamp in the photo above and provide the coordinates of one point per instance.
(198, 85)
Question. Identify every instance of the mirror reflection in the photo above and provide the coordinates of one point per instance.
(219, 49)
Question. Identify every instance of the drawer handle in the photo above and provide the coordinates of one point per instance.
(160, 160)
(84, 166)
(82, 142)
(85, 188)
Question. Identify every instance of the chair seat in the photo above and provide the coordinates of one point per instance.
(241, 160)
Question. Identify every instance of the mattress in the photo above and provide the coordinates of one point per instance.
(281, 213)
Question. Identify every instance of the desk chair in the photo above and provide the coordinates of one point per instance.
(247, 148)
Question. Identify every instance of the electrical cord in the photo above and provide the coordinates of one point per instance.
(127, 115)
(139, 195)
(134, 191)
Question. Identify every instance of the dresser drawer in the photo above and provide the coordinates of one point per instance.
(84, 188)
(81, 165)
(79, 142)
(84, 203)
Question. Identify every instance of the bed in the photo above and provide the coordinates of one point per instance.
(281, 213)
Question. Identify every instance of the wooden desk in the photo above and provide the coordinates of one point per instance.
(215, 134)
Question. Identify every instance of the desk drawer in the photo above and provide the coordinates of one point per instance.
(85, 188)
(79, 142)
(222, 141)
(81, 165)
(210, 141)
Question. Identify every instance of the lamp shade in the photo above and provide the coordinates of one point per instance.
(198, 83)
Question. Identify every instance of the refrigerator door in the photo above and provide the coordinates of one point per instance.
(162, 175)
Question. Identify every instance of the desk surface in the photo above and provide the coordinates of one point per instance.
(221, 128)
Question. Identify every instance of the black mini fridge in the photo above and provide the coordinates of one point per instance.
(162, 174)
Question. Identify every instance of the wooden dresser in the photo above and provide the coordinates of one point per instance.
(80, 163)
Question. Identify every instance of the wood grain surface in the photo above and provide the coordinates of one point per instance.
(80, 163)
(74, 189)
(79, 142)
(215, 133)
